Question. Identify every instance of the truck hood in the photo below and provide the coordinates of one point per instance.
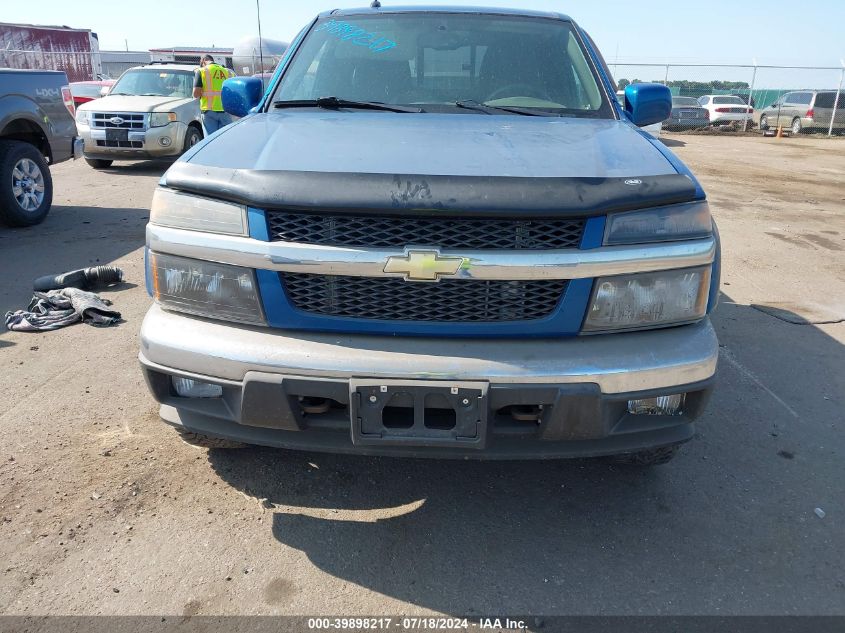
(377, 160)
(121, 103)
(435, 144)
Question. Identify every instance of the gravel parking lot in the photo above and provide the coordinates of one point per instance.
(104, 510)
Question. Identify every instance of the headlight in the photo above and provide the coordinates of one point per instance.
(645, 300)
(82, 117)
(686, 221)
(157, 119)
(217, 291)
(184, 211)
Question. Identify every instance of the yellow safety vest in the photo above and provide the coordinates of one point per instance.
(213, 77)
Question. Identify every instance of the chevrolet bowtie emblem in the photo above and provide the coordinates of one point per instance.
(423, 265)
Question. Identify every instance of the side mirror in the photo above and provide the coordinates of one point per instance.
(241, 94)
(648, 103)
(104, 91)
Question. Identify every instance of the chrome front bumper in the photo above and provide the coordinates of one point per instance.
(580, 386)
(618, 363)
(150, 140)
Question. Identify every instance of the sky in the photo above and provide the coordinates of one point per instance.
(644, 31)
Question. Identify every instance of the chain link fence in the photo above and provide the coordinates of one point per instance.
(802, 99)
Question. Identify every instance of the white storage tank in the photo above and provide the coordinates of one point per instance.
(246, 56)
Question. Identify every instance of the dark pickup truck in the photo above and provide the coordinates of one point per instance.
(37, 129)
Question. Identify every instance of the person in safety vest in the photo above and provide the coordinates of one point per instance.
(208, 83)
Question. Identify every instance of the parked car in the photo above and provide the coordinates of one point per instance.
(805, 111)
(484, 259)
(149, 113)
(654, 129)
(85, 91)
(747, 99)
(687, 115)
(726, 109)
(36, 131)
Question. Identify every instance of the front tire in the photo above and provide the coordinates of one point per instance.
(26, 187)
(192, 137)
(99, 163)
(648, 457)
(764, 122)
(796, 126)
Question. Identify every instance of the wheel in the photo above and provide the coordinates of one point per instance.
(192, 137)
(99, 163)
(26, 187)
(648, 457)
(764, 122)
(796, 126)
(204, 441)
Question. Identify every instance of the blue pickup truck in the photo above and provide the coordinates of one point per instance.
(436, 234)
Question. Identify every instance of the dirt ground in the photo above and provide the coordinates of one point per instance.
(104, 510)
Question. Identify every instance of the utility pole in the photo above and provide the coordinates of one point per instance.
(750, 92)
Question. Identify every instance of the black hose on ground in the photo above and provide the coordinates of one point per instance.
(84, 279)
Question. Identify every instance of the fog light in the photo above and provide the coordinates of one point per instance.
(165, 141)
(661, 405)
(188, 388)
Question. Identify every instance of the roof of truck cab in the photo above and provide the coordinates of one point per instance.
(446, 9)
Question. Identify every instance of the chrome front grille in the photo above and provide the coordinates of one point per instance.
(118, 120)
(446, 301)
(399, 231)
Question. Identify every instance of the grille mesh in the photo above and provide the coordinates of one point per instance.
(449, 300)
(401, 231)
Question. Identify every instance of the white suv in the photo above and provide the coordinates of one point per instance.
(150, 112)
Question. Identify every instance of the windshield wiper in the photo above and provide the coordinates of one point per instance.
(333, 103)
(471, 104)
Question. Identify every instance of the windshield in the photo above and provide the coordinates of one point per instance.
(155, 83)
(733, 100)
(684, 101)
(85, 90)
(433, 60)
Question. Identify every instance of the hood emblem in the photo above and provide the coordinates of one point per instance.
(116, 120)
(423, 265)
(633, 181)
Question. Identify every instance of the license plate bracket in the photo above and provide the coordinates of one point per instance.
(117, 134)
(419, 413)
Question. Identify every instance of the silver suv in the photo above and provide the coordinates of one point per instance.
(149, 113)
(805, 111)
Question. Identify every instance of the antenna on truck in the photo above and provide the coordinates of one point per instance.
(260, 45)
